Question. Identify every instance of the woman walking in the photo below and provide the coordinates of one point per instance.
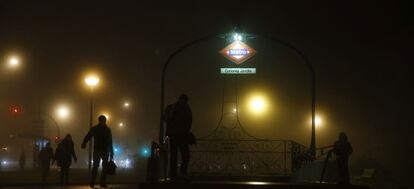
(64, 153)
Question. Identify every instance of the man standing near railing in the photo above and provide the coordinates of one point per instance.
(179, 119)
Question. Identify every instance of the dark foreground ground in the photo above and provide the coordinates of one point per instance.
(113, 186)
(243, 185)
(201, 185)
(135, 179)
(77, 177)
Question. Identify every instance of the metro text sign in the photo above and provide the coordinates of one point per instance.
(238, 52)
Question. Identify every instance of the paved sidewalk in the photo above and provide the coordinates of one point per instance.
(110, 186)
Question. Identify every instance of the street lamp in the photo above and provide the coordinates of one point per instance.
(91, 81)
(257, 104)
(13, 62)
(62, 112)
(318, 121)
(126, 105)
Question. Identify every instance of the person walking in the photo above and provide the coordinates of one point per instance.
(102, 149)
(178, 117)
(63, 155)
(45, 159)
(342, 150)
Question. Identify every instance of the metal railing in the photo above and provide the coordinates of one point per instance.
(244, 157)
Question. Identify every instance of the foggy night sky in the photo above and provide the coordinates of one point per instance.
(362, 54)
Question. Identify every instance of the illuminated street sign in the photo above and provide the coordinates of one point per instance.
(238, 70)
(238, 52)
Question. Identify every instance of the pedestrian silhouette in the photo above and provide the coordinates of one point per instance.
(45, 159)
(65, 151)
(342, 150)
(178, 117)
(102, 149)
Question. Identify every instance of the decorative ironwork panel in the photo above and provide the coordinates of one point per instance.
(241, 157)
(231, 151)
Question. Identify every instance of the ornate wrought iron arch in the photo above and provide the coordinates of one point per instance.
(220, 35)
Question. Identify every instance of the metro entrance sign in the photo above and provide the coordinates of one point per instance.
(238, 52)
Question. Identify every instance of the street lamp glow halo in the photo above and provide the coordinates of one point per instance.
(13, 62)
(92, 80)
(319, 121)
(63, 112)
(258, 104)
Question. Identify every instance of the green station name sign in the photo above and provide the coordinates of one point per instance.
(238, 70)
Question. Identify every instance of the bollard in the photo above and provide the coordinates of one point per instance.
(153, 163)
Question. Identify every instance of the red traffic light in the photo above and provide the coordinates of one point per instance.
(15, 110)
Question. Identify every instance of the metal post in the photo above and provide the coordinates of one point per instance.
(285, 154)
(56, 125)
(90, 126)
(313, 137)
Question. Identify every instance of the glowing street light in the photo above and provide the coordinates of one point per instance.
(13, 62)
(257, 104)
(318, 121)
(63, 112)
(121, 124)
(126, 105)
(92, 80)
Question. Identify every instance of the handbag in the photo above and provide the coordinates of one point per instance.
(111, 168)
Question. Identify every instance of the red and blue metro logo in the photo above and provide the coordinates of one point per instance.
(238, 52)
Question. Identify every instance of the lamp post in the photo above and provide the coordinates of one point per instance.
(62, 112)
(56, 125)
(91, 81)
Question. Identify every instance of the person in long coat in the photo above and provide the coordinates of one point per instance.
(45, 159)
(64, 154)
(342, 149)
